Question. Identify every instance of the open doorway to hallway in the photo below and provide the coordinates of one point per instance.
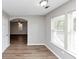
(18, 31)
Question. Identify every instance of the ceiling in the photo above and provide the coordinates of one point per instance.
(29, 7)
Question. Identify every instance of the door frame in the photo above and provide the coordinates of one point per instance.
(26, 25)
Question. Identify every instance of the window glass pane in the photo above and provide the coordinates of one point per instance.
(71, 31)
(63, 33)
(57, 30)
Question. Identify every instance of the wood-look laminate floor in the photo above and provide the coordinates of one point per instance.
(22, 51)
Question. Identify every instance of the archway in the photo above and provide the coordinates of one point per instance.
(18, 31)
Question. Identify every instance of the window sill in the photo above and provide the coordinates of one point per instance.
(67, 51)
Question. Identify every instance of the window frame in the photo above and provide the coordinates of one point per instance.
(62, 47)
(66, 35)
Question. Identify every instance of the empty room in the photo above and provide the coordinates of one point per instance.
(38, 29)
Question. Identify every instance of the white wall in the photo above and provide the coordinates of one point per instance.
(70, 6)
(5, 31)
(36, 29)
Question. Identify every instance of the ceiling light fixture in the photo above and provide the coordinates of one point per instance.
(43, 3)
(20, 26)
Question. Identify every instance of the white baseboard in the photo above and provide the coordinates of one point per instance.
(48, 48)
(36, 44)
(53, 52)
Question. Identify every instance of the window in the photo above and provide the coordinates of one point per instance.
(63, 30)
(57, 30)
(71, 31)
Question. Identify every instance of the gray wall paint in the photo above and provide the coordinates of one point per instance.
(39, 29)
(70, 6)
(36, 29)
(14, 28)
(5, 31)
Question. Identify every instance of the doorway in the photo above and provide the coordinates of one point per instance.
(18, 31)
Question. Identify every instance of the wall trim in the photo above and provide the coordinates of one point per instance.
(48, 48)
(36, 44)
(53, 51)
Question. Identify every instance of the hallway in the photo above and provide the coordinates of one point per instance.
(19, 50)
